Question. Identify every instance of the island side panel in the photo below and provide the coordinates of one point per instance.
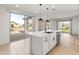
(36, 45)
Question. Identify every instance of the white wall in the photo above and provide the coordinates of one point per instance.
(75, 25)
(53, 24)
(36, 22)
(78, 24)
(4, 26)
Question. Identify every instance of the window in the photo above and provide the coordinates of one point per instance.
(64, 26)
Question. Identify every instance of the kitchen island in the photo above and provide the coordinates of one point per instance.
(41, 42)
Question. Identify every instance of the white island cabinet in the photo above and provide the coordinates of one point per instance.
(41, 42)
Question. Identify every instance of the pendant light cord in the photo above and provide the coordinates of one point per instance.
(40, 10)
(47, 13)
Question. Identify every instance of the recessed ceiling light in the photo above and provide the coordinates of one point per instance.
(53, 7)
(17, 5)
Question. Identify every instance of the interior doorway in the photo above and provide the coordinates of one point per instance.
(64, 26)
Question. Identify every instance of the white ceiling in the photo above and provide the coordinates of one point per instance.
(62, 10)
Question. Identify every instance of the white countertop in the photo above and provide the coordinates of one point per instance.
(40, 33)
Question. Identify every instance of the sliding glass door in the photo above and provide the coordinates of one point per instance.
(17, 27)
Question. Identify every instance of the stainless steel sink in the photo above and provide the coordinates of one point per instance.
(48, 32)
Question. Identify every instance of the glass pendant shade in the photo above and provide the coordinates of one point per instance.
(47, 20)
(40, 19)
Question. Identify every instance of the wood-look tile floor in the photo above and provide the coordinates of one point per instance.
(69, 45)
(21, 47)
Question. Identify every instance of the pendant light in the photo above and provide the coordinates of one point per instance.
(40, 19)
(47, 15)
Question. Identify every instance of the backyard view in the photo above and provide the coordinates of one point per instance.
(17, 23)
(17, 27)
(64, 26)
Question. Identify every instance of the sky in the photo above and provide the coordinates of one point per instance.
(17, 18)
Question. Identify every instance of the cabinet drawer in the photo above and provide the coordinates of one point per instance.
(46, 38)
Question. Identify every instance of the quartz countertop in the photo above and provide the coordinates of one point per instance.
(40, 33)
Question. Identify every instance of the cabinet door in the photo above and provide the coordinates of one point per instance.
(52, 41)
(45, 43)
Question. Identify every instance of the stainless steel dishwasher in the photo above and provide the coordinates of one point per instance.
(58, 37)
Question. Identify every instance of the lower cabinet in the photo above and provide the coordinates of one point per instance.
(52, 42)
(45, 45)
(42, 45)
